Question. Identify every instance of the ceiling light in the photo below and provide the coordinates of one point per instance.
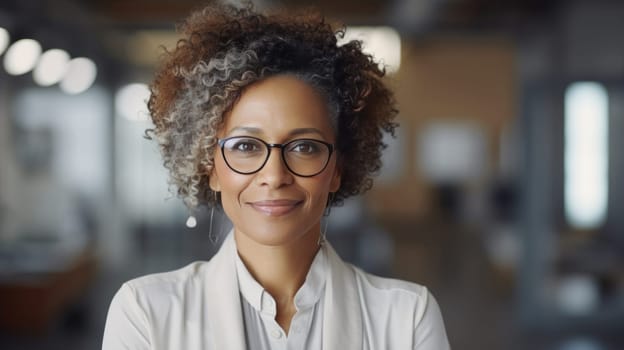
(4, 39)
(131, 102)
(51, 67)
(586, 154)
(22, 56)
(81, 73)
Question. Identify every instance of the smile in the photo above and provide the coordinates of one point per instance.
(277, 207)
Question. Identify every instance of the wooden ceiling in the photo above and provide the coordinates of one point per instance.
(451, 13)
(114, 29)
(167, 11)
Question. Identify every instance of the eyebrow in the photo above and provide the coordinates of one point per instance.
(246, 129)
(258, 131)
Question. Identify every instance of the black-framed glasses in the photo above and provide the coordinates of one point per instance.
(303, 157)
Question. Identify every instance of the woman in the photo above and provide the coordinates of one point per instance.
(268, 118)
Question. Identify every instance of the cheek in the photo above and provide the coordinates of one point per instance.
(319, 189)
(231, 184)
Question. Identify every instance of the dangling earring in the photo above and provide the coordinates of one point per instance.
(211, 236)
(191, 221)
(323, 235)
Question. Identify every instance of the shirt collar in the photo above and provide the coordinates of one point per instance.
(309, 293)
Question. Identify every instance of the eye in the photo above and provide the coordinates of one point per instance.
(244, 145)
(305, 147)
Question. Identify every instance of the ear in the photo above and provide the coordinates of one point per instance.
(213, 181)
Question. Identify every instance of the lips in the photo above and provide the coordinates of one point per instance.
(276, 207)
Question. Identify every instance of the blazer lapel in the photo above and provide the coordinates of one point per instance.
(223, 298)
(342, 316)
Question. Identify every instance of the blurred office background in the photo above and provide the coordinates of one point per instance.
(503, 191)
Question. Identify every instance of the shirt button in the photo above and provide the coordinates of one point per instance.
(276, 333)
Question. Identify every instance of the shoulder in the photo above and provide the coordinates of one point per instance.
(404, 304)
(142, 304)
(162, 295)
(161, 289)
(391, 287)
(399, 301)
(169, 279)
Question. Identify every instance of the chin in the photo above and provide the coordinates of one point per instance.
(274, 235)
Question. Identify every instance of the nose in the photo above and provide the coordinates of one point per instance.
(274, 173)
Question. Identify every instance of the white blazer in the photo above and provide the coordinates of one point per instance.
(199, 308)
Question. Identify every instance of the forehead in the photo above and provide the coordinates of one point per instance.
(279, 104)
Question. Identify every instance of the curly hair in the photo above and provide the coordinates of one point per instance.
(226, 48)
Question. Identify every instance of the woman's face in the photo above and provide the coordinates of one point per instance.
(274, 206)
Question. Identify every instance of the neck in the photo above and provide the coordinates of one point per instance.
(282, 269)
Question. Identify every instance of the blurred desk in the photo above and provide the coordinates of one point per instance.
(31, 298)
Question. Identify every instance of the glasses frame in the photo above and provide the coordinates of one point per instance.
(282, 147)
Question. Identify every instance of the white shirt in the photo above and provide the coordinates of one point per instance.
(262, 331)
(199, 308)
